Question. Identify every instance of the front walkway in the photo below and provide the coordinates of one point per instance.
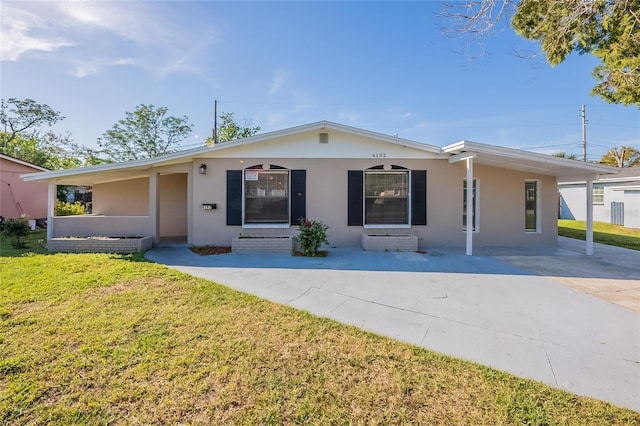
(474, 307)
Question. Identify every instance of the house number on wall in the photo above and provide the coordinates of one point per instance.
(379, 155)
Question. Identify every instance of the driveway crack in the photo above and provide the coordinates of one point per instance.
(301, 294)
(555, 380)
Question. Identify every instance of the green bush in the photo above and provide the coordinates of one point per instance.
(69, 209)
(17, 228)
(312, 235)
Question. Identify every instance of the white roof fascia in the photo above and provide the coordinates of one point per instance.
(190, 154)
(22, 162)
(620, 179)
(528, 155)
(325, 125)
(148, 162)
(462, 156)
(605, 181)
(626, 188)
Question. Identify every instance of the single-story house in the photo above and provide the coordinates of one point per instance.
(360, 183)
(615, 199)
(17, 197)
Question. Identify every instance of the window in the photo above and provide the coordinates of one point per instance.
(474, 204)
(598, 194)
(266, 195)
(386, 196)
(531, 206)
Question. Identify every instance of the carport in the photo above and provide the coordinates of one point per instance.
(563, 170)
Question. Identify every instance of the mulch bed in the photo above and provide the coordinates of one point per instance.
(210, 250)
(321, 253)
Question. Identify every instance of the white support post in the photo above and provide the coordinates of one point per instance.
(469, 206)
(52, 197)
(589, 248)
(190, 209)
(154, 207)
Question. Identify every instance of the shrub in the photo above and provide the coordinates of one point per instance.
(17, 228)
(312, 235)
(69, 209)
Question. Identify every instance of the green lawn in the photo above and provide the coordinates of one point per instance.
(605, 233)
(112, 339)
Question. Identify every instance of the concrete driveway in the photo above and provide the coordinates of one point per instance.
(483, 308)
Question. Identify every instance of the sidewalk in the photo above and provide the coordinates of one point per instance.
(474, 307)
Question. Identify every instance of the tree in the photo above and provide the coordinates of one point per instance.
(23, 137)
(146, 132)
(23, 117)
(49, 150)
(626, 156)
(563, 154)
(230, 130)
(606, 29)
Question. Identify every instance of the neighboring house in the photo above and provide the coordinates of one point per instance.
(355, 181)
(17, 197)
(616, 199)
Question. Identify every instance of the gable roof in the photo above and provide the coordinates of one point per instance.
(22, 162)
(321, 126)
(117, 169)
(485, 154)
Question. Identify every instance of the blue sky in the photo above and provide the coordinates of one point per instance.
(381, 66)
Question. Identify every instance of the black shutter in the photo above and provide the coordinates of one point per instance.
(418, 197)
(234, 197)
(298, 196)
(355, 198)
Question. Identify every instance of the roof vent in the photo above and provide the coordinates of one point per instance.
(324, 137)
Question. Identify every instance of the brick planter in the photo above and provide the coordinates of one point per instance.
(389, 242)
(265, 244)
(100, 244)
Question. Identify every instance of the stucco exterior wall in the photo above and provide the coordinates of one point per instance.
(502, 201)
(122, 198)
(31, 197)
(173, 205)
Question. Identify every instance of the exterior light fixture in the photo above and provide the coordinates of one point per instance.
(202, 169)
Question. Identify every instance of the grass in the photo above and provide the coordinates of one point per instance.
(604, 233)
(113, 339)
(35, 243)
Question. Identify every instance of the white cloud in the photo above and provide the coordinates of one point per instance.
(101, 34)
(134, 21)
(280, 78)
(350, 116)
(85, 69)
(18, 33)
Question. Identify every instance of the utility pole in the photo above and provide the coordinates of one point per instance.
(584, 134)
(215, 122)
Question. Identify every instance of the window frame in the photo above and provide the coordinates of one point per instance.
(476, 205)
(266, 170)
(600, 196)
(538, 204)
(383, 170)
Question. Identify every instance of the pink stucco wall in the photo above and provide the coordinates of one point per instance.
(19, 197)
